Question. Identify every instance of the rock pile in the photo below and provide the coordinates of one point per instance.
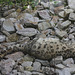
(51, 19)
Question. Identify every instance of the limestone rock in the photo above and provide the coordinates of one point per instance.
(72, 16)
(44, 25)
(27, 32)
(8, 26)
(2, 38)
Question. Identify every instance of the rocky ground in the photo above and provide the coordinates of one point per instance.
(51, 19)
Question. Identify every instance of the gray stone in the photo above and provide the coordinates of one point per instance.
(2, 38)
(68, 61)
(37, 73)
(6, 66)
(36, 66)
(46, 70)
(65, 24)
(71, 4)
(44, 25)
(43, 62)
(27, 32)
(8, 12)
(1, 21)
(46, 5)
(71, 36)
(68, 11)
(44, 15)
(27, 64)
(60, 33)
(15, 56)
(13, 15)
(8, 26)
(61, 14)
(18, 26)
(56, 60)
(20, 69)
(28, 58)
(72, 16)
(29, 20)
(27, 73)
(13, 37)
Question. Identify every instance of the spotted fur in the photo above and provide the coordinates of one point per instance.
(45, 48)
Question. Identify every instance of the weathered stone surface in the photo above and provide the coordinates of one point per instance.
(46, 5)
(27, 73)
(13, 37)
(43, 62)
(68, 61)
(27, 32)
(6, 66)
(65, 24)
(37, 73)
(28, 19)
(60, 33)
(71, 4)
(18, 26)
(15, 56)
(36, 66)
(8, 12)
(56, 60)
(72, 16)
(44, 25)
(68, 11)
(2, 38)
(61, 14)
(8, 25)
(28, 58)
(44, 15)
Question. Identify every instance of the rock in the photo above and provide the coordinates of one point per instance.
(15, 56)
(72, 30)
(20, 68)
(36, 66)
(71, 4)
(65, 24)
(6, 66)
(13, 20)
(57, 60)
(18, 26)
(1, 21)
(46, 70)
(8, 26)
(68, 11)
(71, 36)
(6, 13)
(27, 64)
(37, 73)
(61, 66)
(28, 20)
(13, 15)
(13, 37)
(44, 15)
(43, 62)
(28, 58)
(2, 38)
(61, 14)
(60, 33)
(44, 26)
(72, 16)
(45, 5)
(68, 61)
(27, 32)
(27, 73)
